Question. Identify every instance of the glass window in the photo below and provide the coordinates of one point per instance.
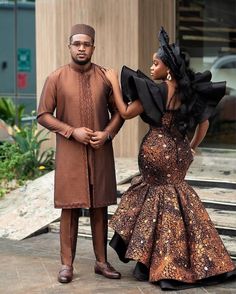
(17, 52)
(206, 30)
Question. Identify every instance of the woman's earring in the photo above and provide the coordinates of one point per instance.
(169, 77)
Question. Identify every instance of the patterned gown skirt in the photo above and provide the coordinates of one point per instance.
(162, 224)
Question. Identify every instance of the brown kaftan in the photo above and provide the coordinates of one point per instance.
(81, 99)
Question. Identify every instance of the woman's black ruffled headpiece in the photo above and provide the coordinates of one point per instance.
(199, 94)
(170, 55)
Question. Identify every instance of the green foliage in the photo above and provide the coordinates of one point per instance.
(9, 112)
(22, 160)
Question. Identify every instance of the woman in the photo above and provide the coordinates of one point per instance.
(161, 222)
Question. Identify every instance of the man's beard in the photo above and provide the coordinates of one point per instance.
(81, 62)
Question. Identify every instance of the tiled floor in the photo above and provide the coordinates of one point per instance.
(31, 265)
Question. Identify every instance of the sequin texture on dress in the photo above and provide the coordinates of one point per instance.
(161, 219)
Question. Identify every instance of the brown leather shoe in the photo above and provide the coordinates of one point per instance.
(65, 274)
(105, 269)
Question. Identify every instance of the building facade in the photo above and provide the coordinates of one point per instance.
(17, 52)
(126, 34)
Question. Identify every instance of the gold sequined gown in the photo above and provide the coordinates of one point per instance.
(161, 220)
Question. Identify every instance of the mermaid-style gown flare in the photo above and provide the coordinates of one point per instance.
(160, 222)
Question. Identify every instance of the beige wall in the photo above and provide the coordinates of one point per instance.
(126, 33)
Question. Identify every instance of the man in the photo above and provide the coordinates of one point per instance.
(84, 174)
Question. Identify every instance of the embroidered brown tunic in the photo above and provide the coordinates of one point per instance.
(81, 99)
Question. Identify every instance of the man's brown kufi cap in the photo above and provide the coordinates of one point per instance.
(83, 29)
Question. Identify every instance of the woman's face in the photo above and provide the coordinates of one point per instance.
(158, 69)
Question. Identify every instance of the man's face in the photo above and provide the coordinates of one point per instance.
(81, 48)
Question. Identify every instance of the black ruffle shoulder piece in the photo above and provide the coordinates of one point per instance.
(136, 85)
(206, 95)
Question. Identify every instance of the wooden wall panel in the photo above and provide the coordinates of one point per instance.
(125, 34)
(152, 15)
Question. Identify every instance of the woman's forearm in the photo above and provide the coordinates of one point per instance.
(120, 104)
(199, 134)
(126, 111)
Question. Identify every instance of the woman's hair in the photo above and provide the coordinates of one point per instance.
(185, 91)
(178, 63)
(194, 89)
